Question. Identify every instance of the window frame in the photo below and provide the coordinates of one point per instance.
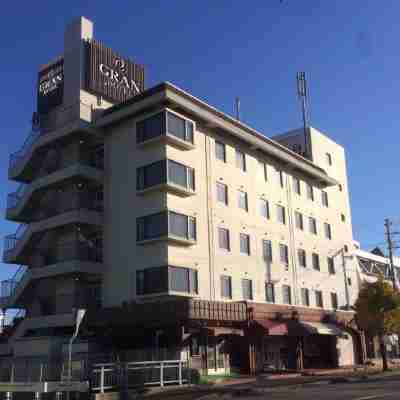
(223, 146)
(297, 185)
(225, 230)
(324, 198)
(282, 214)
(286, 292)
(334, 301)
(246, 236)
(328, 230)
(319, 299)
(305, 295)
(270, 289)
(226, 279)
(331, 265)
(264, 205)
(310, 191)
(267, 256)
(302, 258)
(219, 185)
(299, 220)
(316, 265)
(245, 198)
(241, 162)
(284, 250)
(250, 281)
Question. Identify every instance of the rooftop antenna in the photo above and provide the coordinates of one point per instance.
(237, 108)
(303, 96)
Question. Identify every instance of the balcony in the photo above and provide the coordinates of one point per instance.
(166, 175)
(55, 127)
(167, 127)
(68, 258)
(64, 209)
(20, 201)
(166, 225)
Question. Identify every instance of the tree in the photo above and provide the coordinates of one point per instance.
(378, 312)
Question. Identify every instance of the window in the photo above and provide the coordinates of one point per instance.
(241, 160)
(328, 230)
(284, 254)
(182, 280)
(324, 197)
(331, 266)
(315, 262)
(245, 244)
(349, 281)
(220, 151)
(242, 200)
(226, 286)
(334, 300)
(164, 123)
(247, 289)
(162, 279)
(312, 225)
(264, 170)
(281, 214)
(296, 185)
(182, 226)
(328, 158)
(165, 171)
(305, 297)
(222, 193)
(299, 220)
(164, 223)
(180, 127)
(281, 178)
(151, 175)
(310, 192)
(223, 239)
(267, 250)
(150, 128)
(318, 299)
(152, 226)
(301, 255)
(180, 175)
(264, 208)
(343, 217)
(286, 294)
(269, 292)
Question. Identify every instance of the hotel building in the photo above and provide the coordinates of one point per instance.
(175, 226)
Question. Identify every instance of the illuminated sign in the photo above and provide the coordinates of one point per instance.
(50, 89)
(109, 75)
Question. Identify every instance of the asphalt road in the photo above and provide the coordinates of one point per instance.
(383, 388)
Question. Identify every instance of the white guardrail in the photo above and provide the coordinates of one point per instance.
(109, 376)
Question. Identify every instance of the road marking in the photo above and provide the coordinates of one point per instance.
(376, 396)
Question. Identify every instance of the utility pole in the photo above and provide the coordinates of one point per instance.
(391, 247)
(302, 92)
(346, 283)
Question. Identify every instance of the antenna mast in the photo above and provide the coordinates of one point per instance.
(303, 96)
(237, 108)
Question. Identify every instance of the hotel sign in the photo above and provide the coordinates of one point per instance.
(109, 75)
(50, 89)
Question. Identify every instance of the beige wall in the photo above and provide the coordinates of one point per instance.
(123, 206)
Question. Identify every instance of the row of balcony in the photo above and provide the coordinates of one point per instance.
(63, 208)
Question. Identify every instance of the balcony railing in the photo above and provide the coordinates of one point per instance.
(94, 159)
(61, 203)
(74, 251)
(49, 123)
(9, 286)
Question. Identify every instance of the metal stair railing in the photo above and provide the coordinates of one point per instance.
(17, 156)
(11, 241)
(9, 286)
(14, 198)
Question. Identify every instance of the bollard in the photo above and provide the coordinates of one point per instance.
(102, 379)
(8, 396)
(37, 395)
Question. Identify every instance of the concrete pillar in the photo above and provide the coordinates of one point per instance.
(79, 30)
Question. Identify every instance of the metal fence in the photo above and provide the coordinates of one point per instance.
(112, 376)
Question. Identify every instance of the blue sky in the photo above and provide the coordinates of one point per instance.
(218, 50)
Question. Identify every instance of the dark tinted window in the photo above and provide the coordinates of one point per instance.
(150, 127)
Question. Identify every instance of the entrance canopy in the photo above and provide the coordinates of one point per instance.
(297, 328)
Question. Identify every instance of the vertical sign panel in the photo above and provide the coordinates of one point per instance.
(109, 75)
(50, 89)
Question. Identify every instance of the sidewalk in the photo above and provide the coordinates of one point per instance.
(248, 384)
